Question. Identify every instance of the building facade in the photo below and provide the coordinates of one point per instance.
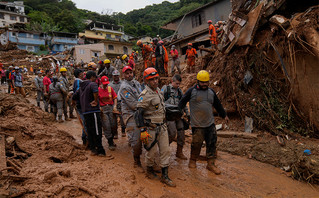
(62, 41)
(11, 13)
(26, 40)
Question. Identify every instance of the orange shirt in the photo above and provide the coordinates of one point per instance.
(212, 32)
(191, 53)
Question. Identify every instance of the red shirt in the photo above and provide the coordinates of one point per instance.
(174, 53)
(131, 63)
(107, 96)
(46, 83)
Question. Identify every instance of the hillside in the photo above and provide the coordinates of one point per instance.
(51, 15)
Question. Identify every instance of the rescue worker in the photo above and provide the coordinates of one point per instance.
(175, 60)
(17, 79)
(108, 70)
(159, 54)
(38, 82)
(201, 100)
(46, 84)
(101, 67)
(129, 92)
(212, 34)
(56, 92)
(116, 84)
(191, 55)
(8, 78)
(89, 100)
(146, 53)
(172, 95)
(108, 103)
(67, 100)
(165, 57)
(150, 118)
(125, 59)
(118, 63)
(131, 62)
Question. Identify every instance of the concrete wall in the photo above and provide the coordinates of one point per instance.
(6, 20)
(118, 49)
(216, 12)
(85, 52)
(100, 35)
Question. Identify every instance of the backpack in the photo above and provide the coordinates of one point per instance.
(167, 95)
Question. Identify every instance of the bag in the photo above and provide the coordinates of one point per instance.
(173, 112)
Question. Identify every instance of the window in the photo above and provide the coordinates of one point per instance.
(1, 16)
(111, 47)
(82, 51)
(29, 35)
(30, 48)
(96, 33)
(14, 34)
(125, 50)
(198, 19)
(96, 54)
(13, 18)
(118, 37)
(21, 19)
(108, 36)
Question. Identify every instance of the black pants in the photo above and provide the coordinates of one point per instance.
(159, 65)
(93, 125)
(199, 135)
(9, 86)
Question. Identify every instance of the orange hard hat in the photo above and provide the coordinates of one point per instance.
(150, 73)
(190, 44)
(139, 42)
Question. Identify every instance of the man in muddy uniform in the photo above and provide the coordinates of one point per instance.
(67, 97)
(201, 100)
(150, 118)
(38, 82)
(128, 94)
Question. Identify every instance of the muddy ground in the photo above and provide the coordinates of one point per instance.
(52, 163)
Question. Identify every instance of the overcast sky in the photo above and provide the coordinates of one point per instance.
(115, 5)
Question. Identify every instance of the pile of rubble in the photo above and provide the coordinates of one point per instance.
(27, 140)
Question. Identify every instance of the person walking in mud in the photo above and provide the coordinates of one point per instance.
(201, 100)
(38, 82)
(150, 118)
(56, 91)
(66, 97)
(129, 93)
(108, 104)
(172, 95)
(89, 100)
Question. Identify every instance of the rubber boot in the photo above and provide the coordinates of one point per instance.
(165, 179)
(112, 145)
(193, 158)
(138, 164)
(123, 132)
(150, 173)
(66, 118)
(38, 103)
(179, 153)
(60, 119)
(212, 167)
(72, 116)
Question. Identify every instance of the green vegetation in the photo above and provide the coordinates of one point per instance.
(51, 15)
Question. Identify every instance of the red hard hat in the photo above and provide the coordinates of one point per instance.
(190, 44)
(105, 80)
(126, 68)
(209, 21)
(100, 62)
(150, 73)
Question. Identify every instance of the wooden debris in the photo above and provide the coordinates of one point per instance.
(233, 134)
(3, 164)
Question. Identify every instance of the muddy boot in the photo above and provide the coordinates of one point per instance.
(38, 103)
(72, 116)
(66, 118)
(212, 167)
(123, 132)
(112, 145)
(179, 153)
(138, 164)
(192, 163)
(60, 119)
(165, 179)
(150, 173)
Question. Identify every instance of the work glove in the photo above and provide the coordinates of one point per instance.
(144, 136)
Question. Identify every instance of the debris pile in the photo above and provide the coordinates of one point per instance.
(267, 68)
(27, 140)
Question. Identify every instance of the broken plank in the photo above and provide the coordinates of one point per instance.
(3, 158)
(232, 134)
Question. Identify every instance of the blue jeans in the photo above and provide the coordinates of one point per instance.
(84, 131)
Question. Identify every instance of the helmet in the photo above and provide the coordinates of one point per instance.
(118, 57)
(63, 69)
(173, 46)
(160, 42)
(115, 73)
(91, 64)
(155, 40)
(203, 76)
(124, 57)
(100, 62)
(10, 66)
(16, 67)
(105, 80)
(190, 44)
(139, 42)
(209, 21)
(106, 61)
(126, 68)
(150, 73)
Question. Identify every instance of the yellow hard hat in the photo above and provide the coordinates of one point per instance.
(106, 61)
(63, 69)
(203, 76)
(124, 56)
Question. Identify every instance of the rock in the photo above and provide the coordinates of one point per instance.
(10, 140)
